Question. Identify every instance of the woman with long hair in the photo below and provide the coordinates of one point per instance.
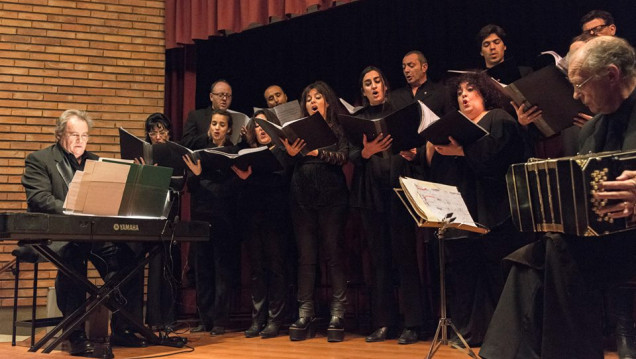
(319, 212)
(387, 225)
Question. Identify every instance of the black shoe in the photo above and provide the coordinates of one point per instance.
(379, 335)
(455, 342)
(302, 329)
(335, 330)
(408, 336)
(254, 329)
(270, 331)
(80, 345)
(199, 329)
(127, 338)
(217, 331)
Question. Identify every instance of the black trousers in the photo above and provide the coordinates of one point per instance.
(267, 248)
(217, 264)
(164, 279)
(108, 258)
(314, 227)
(552, 304)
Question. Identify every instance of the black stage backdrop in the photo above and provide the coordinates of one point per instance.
(335, 45)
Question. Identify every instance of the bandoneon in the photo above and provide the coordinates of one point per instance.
(555, 195)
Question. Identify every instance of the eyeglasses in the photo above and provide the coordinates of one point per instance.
(155, 133)
(76, 136)
(596, 29)
(577, 87)
(223, 95)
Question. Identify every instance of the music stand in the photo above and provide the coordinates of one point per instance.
(441, 332)
(419, 200)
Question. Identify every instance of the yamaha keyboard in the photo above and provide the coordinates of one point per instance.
(57, 227)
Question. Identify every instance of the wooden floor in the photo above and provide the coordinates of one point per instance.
(236, 346)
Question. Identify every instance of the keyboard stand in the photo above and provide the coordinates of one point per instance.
(97, 295)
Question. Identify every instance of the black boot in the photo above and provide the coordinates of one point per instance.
(254, 329)
(335, 330)
(303, 328)
(270, 331)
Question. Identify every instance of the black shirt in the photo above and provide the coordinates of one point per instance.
(434, 95)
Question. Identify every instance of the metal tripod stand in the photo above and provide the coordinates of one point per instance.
(441, 334)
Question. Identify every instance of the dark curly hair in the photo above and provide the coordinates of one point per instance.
(480, 80)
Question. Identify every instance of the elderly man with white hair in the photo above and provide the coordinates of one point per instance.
(552, 304)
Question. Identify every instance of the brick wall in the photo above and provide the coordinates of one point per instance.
(103, 56)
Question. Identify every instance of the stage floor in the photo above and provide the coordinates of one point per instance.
(234, 345)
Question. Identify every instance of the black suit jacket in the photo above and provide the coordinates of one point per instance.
(47, 175)
(195, 131)
(593, 134)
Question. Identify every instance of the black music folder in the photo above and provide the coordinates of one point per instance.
(454, 124)
(132, 147)
(403, 125)
(549, 90)
(261, 159)
(313, 129)
(170, 154)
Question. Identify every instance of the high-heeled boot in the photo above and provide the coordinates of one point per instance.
(335, 330)
(302, 329)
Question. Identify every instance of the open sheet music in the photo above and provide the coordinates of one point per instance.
(549, 90)
(313, 129)
(284, 112)
(239, 120)
(404, 126)
(261, 159)
(429, 203)
(170, 154)
(351, 109)
(454, 124)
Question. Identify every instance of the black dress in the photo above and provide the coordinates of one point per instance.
(389, 231)
(319, 204)
(474, 275)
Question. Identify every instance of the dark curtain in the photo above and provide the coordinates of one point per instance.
(335, 45)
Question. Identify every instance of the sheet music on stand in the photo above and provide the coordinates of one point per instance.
(429, 203)
(439, 206)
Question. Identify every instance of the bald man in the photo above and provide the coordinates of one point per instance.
(274, 96)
